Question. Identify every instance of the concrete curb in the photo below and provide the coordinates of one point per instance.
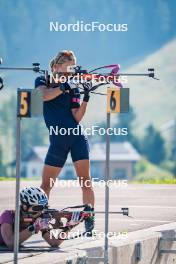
(139, 247)
(58, 256)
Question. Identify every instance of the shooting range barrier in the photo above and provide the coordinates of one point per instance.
(154, 245)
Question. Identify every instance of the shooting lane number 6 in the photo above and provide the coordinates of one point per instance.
(117, 100)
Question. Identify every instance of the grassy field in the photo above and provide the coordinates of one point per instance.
(146, 173)
(13, 179)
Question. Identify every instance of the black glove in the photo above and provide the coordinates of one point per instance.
(87, 86)
(53, 83)
(40, 81)
(64, 87)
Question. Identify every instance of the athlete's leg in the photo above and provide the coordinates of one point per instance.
(80, 157)
(50, 173)
(82, 168)
(54, 162)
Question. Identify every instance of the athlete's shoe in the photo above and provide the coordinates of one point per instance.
(89, 222)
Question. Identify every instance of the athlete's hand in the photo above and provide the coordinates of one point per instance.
(41, 224)
(40, 81)
(73, 84)
(87, 86)
(64, 87)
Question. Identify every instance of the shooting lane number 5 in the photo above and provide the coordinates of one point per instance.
(29, 103)
(24, 103)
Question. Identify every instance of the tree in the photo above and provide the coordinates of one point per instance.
(2, 167)
(124, 120)
(33, 132)
(153, 145)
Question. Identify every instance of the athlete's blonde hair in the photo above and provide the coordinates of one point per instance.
(62, 56)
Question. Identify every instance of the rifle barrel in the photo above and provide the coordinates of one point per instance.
(18, 68)
(134, 74)
(103, 212)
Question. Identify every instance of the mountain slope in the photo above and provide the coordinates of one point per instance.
(153, 101)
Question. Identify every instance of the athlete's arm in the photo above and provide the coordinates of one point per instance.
(8, 235)
(78, 113)
(49, 94)
(53, 242)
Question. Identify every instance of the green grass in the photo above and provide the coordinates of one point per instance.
(13, 179)
(6, 179)
(155, 181)
(148, 173)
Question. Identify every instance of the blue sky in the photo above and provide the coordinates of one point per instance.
(25, 35)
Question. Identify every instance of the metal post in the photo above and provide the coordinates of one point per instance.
(106, 253)
(17, 206)
(174, 146)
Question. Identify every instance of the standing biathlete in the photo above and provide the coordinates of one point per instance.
(62, 109)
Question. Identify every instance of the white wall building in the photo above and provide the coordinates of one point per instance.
(123, 156)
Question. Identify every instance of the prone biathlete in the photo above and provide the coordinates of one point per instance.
(62, 109)
(29, 198)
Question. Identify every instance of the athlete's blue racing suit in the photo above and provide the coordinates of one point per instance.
(57, 114)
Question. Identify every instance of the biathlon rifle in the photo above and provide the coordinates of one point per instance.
(68, 218)
(77, 71)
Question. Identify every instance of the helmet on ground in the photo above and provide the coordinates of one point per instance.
(33, 196)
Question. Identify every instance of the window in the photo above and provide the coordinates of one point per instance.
(34, 172)
(120, 174)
